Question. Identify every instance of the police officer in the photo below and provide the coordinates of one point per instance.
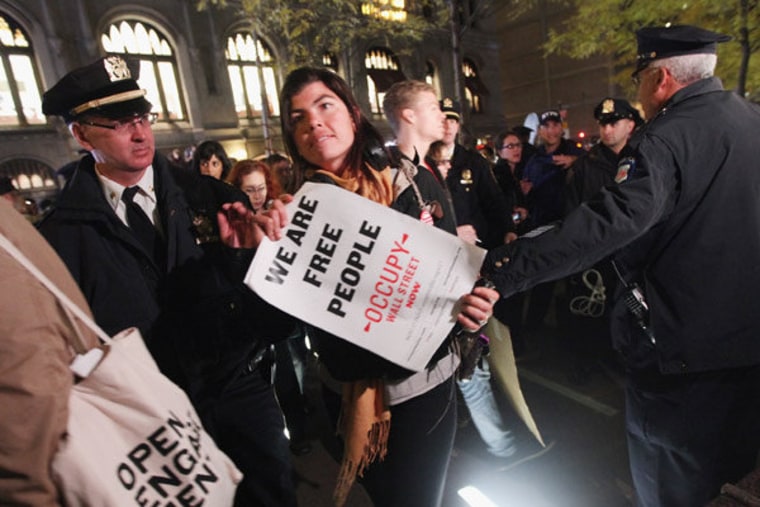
(140, 238)
(617, 120)
(483, 214)
(684, 223)
(584, 308)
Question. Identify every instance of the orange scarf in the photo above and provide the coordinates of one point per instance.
(373, 184)
(365, 418)
(365, 423)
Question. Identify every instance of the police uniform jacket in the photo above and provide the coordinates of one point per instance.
(197, 317)
(688, 219)
(477, 198)
(592, 171)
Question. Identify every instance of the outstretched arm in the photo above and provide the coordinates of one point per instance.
(239, 227)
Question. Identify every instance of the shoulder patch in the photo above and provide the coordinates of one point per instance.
(626, 167)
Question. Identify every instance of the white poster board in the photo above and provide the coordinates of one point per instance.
(366, 273)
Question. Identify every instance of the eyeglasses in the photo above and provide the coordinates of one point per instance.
(256, 190)
(511, 146)
(126, 124)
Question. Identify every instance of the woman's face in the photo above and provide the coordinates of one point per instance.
(212, 167)
(511, 149)
(323, 129)
(255, 186)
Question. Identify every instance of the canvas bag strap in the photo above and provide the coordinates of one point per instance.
(68, 305)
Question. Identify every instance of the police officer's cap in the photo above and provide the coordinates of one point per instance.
(656, 42)
(107, 87)
(611, 110)
(550, 115)
(450, 108)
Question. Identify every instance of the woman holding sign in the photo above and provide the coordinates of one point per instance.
(402, 452)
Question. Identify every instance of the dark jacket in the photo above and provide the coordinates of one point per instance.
(592, 171)
(197, 317)
(509, 183)
(477, 198)
(545, 200)
(689, 220)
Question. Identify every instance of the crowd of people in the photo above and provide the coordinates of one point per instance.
(631, 226)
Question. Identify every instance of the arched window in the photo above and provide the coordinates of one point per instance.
(474, 88)
(20, 96)
(244, 59)
(158, 66)
(29, 174)
(382, 71)
(431, 77)
(330, 61)
(392, 10)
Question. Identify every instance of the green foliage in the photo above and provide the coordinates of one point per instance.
(606, 27)
(309, 28)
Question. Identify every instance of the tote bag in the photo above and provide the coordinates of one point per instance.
(133, 437)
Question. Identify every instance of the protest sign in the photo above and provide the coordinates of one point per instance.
(366, 273)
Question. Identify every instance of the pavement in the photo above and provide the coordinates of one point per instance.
(580, 416)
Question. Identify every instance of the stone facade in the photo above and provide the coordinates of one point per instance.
(67, 34)
(530, 82)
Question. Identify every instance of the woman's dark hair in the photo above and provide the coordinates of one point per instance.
(504, 135)
(368, 145)
(205, 151)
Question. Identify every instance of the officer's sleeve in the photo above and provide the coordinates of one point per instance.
(615, 217)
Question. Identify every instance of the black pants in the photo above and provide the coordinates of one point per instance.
(247, 424)
(539, 301)
(289, 389)
(419, 447)
(689, 434)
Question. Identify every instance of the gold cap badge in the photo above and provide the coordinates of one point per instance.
(117, 68)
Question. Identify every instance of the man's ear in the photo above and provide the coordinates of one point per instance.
(630, 126)
(80, 134)
(407, 115)
(665, 78)
(665, 84)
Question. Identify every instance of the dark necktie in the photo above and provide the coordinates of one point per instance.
(140, 224)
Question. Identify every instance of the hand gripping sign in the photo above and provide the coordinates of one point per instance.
(366, 273)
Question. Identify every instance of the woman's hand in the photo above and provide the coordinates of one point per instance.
(477, 308)
(468, 233)
(239, 227)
